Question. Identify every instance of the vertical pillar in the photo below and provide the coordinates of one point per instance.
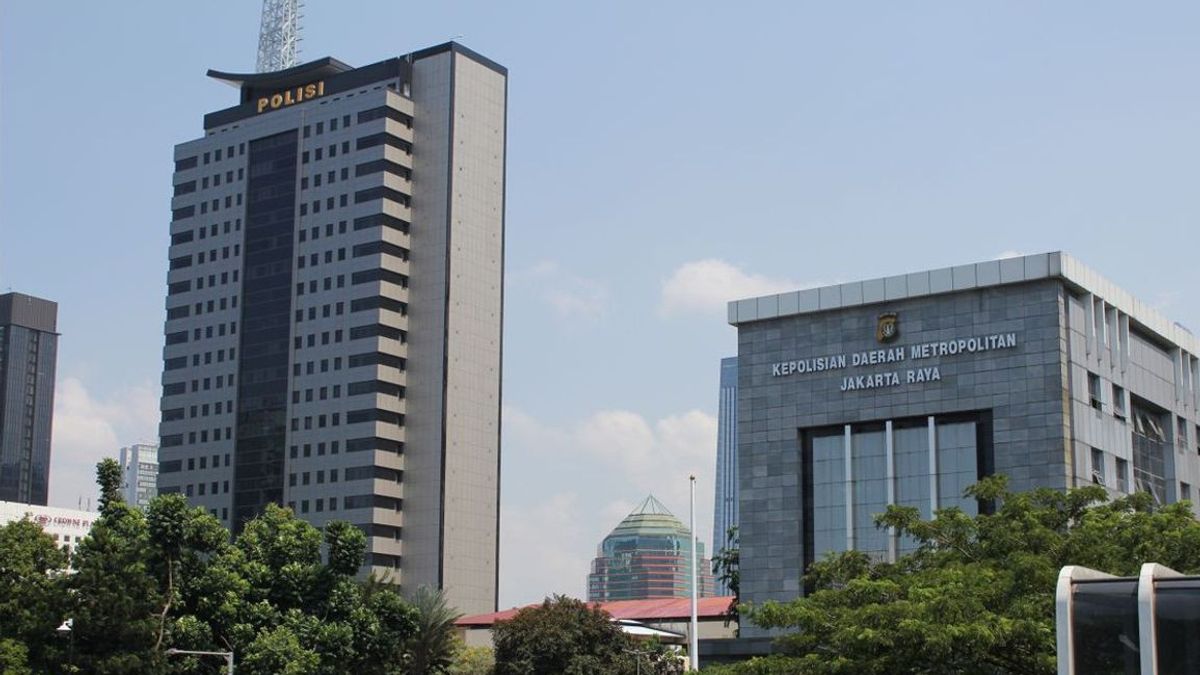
(890, 469)
(1089, 322)
(933, 467)
(849, 487)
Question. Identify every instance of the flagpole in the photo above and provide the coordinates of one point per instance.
(694, 646)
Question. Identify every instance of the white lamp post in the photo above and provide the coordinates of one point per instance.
(694, 641)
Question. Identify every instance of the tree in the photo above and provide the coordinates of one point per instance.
(432, 645)
(171, 577)
(114, 598)
(472, 660)
(567, 636)
(726, 566)
(32, 595)
(977, 595)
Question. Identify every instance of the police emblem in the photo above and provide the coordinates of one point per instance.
(888, 328)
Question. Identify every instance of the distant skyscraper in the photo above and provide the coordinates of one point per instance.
(139, 473)
(334, 310)
(28, 353)
(725, 502)
(648, 555)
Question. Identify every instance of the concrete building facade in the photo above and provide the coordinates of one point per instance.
(28, 359)
(67, 527)
(906, 389)
(333, 331)
(139, 473)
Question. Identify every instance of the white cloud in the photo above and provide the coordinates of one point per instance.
(617, 457)
(543, 551)
(88, 428)
(1010, 253)
(570, 296)
(707, 285)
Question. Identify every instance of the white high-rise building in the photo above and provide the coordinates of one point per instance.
(334, 306)
(139, 473)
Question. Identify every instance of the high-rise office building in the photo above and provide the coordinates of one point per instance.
(139, 473)
(906, 390)
(648, 555)
(725, 499)
(28, 354)
(333, 330)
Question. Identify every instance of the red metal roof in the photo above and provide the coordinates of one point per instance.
(638, 610)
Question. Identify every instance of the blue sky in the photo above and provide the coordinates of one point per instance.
(663, 157)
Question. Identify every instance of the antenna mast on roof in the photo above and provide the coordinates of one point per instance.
(279, 35)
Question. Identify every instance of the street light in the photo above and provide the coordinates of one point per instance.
(228, 656)
(67, 630)
(694, 641)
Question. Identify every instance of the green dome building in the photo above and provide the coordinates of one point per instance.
(648, 556)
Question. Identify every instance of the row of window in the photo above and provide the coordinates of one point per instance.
(350, 474)
(319, 505)
(310, 422)
(194, 437)
(185, 285)
(205, 384)
(206, 307)
(1120, 411)
(185, 212)
(1121, 476)
(201, 410)
(211, 156)
(185, 261)
(365, 116)
(188, 187)
(204, 232)
(333, 126)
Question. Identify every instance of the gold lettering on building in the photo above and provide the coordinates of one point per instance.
(291, 96)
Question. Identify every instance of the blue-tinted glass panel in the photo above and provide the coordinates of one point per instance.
(911, 447)
(957, 466)
(870, 491)
(829, 495)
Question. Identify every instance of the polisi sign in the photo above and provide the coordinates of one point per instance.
(291, 96)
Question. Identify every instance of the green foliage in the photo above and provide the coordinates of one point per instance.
(31, 595)
(977, 596)
(278, 652)
(776, 664)
(472, 660)
(567, 636)
(14, 658)
(726, 565)
(433, 644)
(108, 475)
(170, 577)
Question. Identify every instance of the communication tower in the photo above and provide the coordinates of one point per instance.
(279, 35)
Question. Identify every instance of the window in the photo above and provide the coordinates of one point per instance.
(1097, 466)
(1185, 492)
(383, 139)
(1181, 426)
(1118, 401)
(1094, 390)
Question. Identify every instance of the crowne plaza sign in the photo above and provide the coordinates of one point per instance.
(291, 96)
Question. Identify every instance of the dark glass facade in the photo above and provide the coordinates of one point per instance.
(266, 326)
(28, 354)
(1177, 625)
(841, 502)
(1105, 627)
